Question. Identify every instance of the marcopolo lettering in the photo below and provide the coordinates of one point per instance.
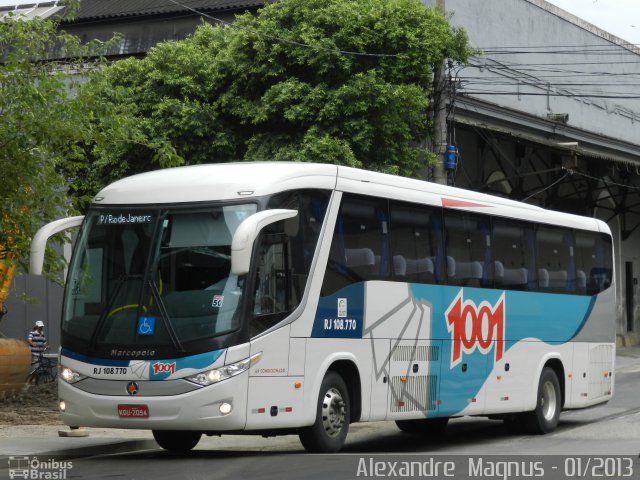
(132, 353)
(475, 326)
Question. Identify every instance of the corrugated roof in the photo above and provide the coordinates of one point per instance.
(95, 9)
(29, 11)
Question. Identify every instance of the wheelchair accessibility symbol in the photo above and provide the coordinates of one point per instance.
(146, 326)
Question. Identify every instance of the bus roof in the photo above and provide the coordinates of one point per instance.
(212, 182)
(235, 181)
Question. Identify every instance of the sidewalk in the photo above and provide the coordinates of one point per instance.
(44, 441)
(628, 352)
(628, 359)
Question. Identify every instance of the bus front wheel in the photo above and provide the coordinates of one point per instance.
(175, 440)
(544, 419)
(333, 414)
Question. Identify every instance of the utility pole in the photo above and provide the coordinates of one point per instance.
(440, 115)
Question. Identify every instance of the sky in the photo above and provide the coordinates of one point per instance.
(619, 17)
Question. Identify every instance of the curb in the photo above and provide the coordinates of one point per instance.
(70, 452)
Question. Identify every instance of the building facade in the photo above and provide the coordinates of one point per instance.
(548, 112)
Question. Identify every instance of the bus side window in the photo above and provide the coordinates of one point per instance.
(593, 269)
(360, 247)
(555, 260)
(302, 232)
(285, 254)
(416, 243)
(468, 249)
(271, 293)
(514, 255)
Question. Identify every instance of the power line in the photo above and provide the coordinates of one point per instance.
(552, 94)
(496, 66)
(501, 81)
(568, 172)
(286, 41)
(556, 82)
(581, 46)
(605, 181)
(607, 49)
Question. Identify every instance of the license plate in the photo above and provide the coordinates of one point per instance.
(133, 411)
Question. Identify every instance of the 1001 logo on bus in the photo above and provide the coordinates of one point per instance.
(475, 326)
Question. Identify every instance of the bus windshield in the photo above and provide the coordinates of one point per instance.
(153, 278)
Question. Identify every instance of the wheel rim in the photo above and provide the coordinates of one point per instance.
(333, 412)
(548, 401)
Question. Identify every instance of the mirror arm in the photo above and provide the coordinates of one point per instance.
(246, 234)
(39, 242)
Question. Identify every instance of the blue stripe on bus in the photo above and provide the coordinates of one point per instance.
(550, 318)
(547, 317)
(196, 362)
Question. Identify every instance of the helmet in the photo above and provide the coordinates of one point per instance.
(39, 323)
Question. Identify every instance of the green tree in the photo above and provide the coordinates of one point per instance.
(337, 81)
(40, 127)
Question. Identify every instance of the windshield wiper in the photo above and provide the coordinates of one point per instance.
(107, 308)
(164, 315)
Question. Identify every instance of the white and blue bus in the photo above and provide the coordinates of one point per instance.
(297, 298)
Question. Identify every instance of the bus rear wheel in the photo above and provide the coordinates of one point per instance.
(544, 419)
(176, 440)
(333, 414)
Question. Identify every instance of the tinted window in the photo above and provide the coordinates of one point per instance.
(416, 243)
(555, 259)
(360, 247)
(468, 249)
(424, 244)
(285, 254)
(593, 262)
(514, 255)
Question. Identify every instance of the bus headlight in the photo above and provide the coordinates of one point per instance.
(216, 375)
(70, 376)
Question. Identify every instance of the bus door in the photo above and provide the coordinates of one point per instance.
(274, 401)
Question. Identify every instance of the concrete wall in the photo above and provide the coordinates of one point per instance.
(539, 60)
(33, 298)
(529, 48)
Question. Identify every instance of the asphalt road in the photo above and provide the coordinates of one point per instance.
(379, 450)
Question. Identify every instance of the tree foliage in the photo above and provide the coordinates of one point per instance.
(337, 81)
(40, 126)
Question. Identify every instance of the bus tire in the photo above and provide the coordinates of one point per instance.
(333, 414)
(427, 427)
(544, 419)
(177, 440)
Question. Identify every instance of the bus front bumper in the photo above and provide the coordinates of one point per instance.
(219, 407)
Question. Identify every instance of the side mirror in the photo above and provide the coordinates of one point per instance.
(39, 242)
(246, 234)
